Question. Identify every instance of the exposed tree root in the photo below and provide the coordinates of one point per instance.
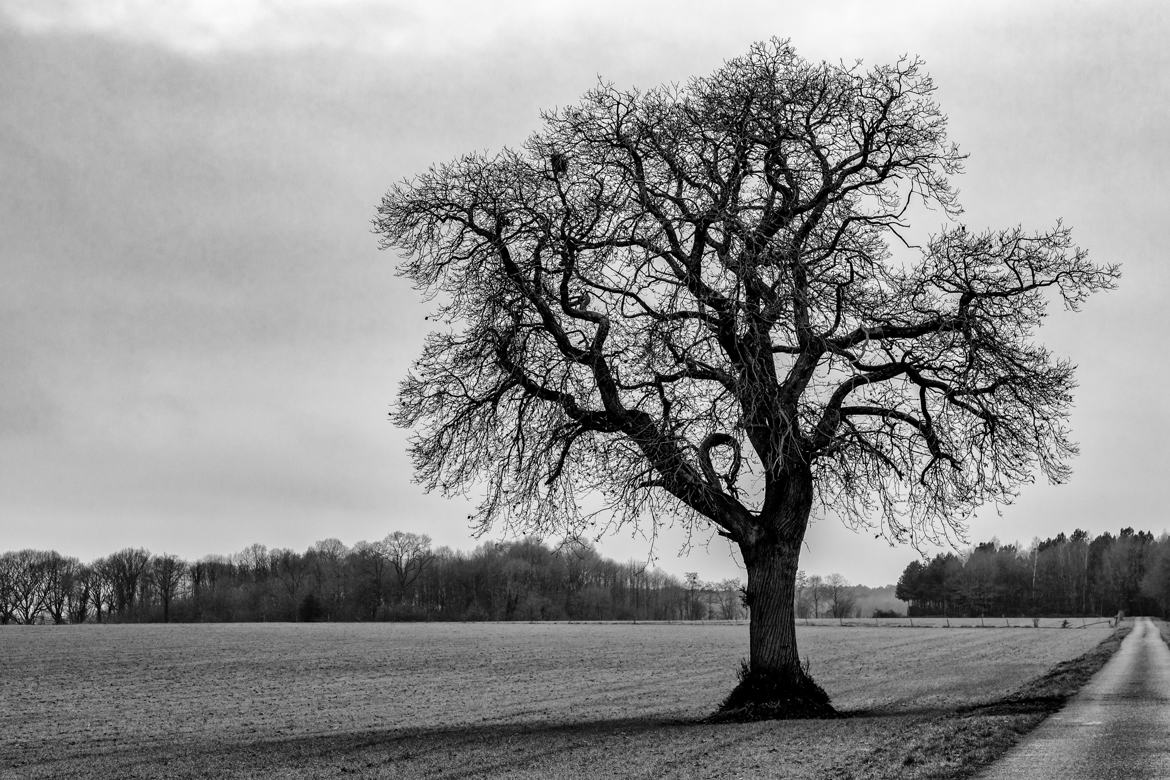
(764, 696)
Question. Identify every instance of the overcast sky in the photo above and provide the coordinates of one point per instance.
(200, 343)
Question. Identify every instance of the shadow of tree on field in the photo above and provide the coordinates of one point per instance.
(1015, 705)
(450, 751)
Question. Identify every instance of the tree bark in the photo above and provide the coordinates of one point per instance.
(773, 684)
(772, 631)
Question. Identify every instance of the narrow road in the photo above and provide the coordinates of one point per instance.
(1118, 726)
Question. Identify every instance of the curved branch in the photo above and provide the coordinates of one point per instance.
(720, 440)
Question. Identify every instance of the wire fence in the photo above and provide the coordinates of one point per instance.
(964, 622)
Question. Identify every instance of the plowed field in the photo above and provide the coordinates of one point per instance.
(472, 700)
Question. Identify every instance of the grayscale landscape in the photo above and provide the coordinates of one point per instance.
(583, 389)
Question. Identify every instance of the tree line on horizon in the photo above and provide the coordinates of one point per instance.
(1068, 574)
(399, 578)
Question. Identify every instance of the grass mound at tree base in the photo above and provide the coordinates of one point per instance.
(763, 696)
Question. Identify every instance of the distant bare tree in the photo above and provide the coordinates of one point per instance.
(58, 573)
(408, 554)
(694, 609)
(100, 589)
(81, 594)
(803, 606)
(728, 595)
(328, 559)
(292, 573)
(371, 561)
(842, 600)
(124, 572)
(167, 572)
(816, 593)
(253, 560)
(30, 574)
(8, 567)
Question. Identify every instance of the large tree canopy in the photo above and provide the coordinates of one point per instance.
(703, 301)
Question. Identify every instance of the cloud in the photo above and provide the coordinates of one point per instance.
(213, 26)
(197, 335)
(26, 407)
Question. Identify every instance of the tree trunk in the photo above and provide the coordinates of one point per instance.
(772, 683)
(772, 631)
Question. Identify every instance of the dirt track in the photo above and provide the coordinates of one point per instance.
(1117, 727)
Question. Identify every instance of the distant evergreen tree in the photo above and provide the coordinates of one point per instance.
(310, 609)
(1062, 575)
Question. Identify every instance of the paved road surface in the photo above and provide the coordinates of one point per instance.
(1118, 726)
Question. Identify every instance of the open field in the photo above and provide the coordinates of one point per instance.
(471, 700)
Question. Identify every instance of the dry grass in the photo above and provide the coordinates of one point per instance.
(458, 700)
(959, 743)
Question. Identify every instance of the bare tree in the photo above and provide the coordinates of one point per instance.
(842, 599)
(82, 586)
(124, 572)
(370, 562)
(254, 561)
(328, 559)
(57, 575)
(727, 594)
(24, 575)
(167, 572)
(100, 590)
(694, 608)
(800, 594)
(290, 569)
(816, 593)
(8, 573)
(408, 554)
(704, 308)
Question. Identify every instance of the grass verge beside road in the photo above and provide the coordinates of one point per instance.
(961, 744)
